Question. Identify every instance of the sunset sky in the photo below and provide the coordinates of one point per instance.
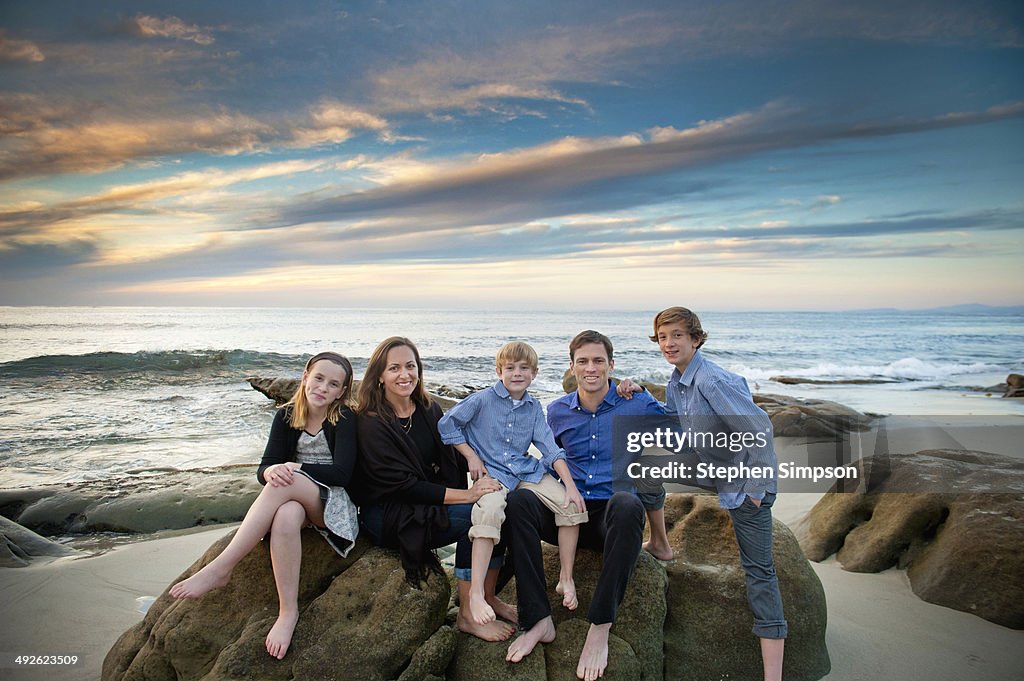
(724, 155)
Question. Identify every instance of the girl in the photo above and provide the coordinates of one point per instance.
(412, 487)
(307, 464)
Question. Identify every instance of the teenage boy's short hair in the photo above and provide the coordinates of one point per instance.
(516, 351)
(589, 336)
(684, 316)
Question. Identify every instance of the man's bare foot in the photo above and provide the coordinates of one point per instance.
(479, 610)
(280, 636)
(505, 611)
(659, 551)
(594, 658)
(542, 632)
(492, 631)
(207, 579)
(566, 588)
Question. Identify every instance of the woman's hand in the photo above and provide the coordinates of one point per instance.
(483, 486)
(281, 474)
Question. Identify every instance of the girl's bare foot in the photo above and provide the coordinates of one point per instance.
(492, 631)
(479, 610)
(207, 579)
(280, 636)
(594, 658)
(659, 550)
(566, 588)
(505, 611)
(542, 632)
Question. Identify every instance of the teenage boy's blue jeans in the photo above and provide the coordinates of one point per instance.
(371, 518)
(753, 527)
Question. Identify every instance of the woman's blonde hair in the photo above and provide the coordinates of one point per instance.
(299, 407)
(371, 389)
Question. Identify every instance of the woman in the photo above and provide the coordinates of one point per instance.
(412, 488)
(306, 466)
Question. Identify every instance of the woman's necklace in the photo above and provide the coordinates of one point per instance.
(405, 423)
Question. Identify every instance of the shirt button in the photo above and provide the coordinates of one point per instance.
(593, 416)
(590, 476)
(593, 457)
(593, 437)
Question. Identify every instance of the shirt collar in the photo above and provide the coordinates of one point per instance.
(686, 378)
(503, 393)
(611, 398)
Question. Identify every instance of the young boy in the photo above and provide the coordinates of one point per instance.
(493, 429)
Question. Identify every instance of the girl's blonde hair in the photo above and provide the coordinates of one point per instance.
(299, 407)
(371, 390)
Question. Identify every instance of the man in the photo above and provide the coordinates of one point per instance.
(582, 424)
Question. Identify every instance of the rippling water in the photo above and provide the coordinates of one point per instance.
(90, 393)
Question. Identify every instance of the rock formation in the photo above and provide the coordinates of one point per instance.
(953, 518)
(360, 620)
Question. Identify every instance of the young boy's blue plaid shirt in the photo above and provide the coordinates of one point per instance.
(501, 433)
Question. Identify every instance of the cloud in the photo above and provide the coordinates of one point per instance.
(46, 137)
(140, 197)
(12, 50)
(166, 27)
(577, 175)
(20, 259)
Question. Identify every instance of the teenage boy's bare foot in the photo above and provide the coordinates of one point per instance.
(280, 636)
(479, 610)
(566, 588)
(594, 658)
(505, 611)
(658, 550)
(542, 632)
(492, 631)
(198, 584)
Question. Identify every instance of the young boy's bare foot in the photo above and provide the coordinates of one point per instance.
(280, 636)
(479, 610)
(594, 658)
(492, 631)
(207, 579)
(658, 550)
(505, 611)
(542, 632)
(566, 588)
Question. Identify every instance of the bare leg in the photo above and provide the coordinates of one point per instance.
(658, 546)
(771, 658)
(254, 526)
(492, 631)
(568, 535)
(541, 632)
(286, 557)
(479, 610)
(505, 611)
(594, 658)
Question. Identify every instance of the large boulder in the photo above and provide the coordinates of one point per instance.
(708, 627)
(20, 546)
(953, 518)
(359, 620)
(139, 504)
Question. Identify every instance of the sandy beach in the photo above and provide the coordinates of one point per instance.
(877, 627)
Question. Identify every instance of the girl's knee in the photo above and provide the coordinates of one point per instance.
(290, 516)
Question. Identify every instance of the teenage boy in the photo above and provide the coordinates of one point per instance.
(701, 392)
(582, 424)
(493, 429)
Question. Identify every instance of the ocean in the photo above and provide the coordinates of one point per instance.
(90, 393)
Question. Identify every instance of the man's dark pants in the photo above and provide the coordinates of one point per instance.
(616, 528)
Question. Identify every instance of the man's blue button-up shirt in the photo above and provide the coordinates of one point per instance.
(707, 396)
(501, 432)
(586, 436)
